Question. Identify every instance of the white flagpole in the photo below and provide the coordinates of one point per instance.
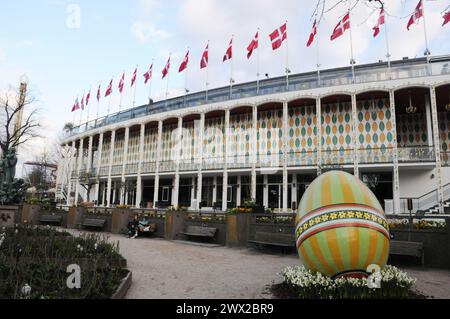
(352, 60)
(135, 87)
(81, 113)
(287, 61)
(388, 54)
(150, 84)
(257, 67)
(168, 77)
(186, 89)
(231, 68)
(427, 51)
(109, 102)
(317, 51)
(121, 93)
(87, 106)
(207, 75)
(98, 101)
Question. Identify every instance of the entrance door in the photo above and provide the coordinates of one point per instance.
(275, 196)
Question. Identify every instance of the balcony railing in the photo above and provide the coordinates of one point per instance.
(376, 155)
(416, 154)
(342, 76)
(337, 157)
(302, 159)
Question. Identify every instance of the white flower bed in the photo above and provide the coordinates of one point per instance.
(394, 283)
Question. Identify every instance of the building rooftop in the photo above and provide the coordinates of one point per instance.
(400, 69)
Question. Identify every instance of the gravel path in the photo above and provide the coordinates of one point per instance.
(173, 270)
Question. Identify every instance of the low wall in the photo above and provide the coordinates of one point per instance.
(209, 220)
(271, 223)
(10, 215)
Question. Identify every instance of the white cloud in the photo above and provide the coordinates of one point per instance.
(146, 31)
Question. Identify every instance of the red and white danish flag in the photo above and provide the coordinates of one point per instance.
(313, 34)
(133, 78)
(98, 92)
(185, 63)
(88, 97)
(229, 53)
(380, 22)
(82, 103)
(76, 106)
(446, 18)
(109, 89)
(340, 28)
(122, 83)
(148, 75)
(205, 58)
(252, 46)
(278, 36)
(166, 69)
(418, 13)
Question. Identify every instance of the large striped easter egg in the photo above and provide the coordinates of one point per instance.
(340, 227)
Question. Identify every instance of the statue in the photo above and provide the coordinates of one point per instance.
(12, 191)
(8, 166)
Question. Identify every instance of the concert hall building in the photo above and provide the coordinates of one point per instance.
(268, 142)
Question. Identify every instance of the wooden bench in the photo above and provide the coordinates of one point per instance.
(282, 240)
(94, 223)
(407, 248)
(200, 231)
(51, 219)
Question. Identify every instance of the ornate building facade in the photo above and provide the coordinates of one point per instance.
(267, 142)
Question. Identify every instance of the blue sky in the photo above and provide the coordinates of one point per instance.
(62, 62)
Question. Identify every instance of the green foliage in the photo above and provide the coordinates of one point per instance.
(13, 193)
(38, 258)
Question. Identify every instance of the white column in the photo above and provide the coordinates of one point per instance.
(192, 191)
(429, 122)
(294, 189)
(99, 163)
(238, 192)
(200, 174)
(158, 152)
(71, 163)
(266, 192)
(437, 150)
(80, 164)
(111, 155)
(225, 162)
(319, 134)
(285, 156)
(254, 138)
(89, 163)
(124, 164)
(214, 195)
(141, 158)
(176, 187)
(396, 176)
(354, 137)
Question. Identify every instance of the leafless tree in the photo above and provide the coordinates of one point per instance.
(12, 133)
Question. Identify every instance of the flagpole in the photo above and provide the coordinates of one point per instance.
(168, 77)
(427, 52)
(257, 67)
(135, 86)
(287, 61)
(207, 75)
(81, 113)
(98, 102)
(317, 52)
(121, 93)
(388, 55)
(231, 68)
(88, 110)
(186, 90)
(352, 60)
(150, 84)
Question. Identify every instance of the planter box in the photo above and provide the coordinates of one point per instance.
(9, 215)
(31, 214)
(174, 225)
(75, 217)
(237, 230)
(120, 218)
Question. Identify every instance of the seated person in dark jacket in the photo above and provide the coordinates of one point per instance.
(133, 227)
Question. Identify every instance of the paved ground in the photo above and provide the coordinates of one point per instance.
(166, 269)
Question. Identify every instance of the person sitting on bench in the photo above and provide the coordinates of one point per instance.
(133, 227)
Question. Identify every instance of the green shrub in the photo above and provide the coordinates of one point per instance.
(37, 259)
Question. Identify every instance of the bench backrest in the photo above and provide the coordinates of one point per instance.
(207, 231)
(281, 238)
(51, 218)
(408, 248)
(94, 222)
